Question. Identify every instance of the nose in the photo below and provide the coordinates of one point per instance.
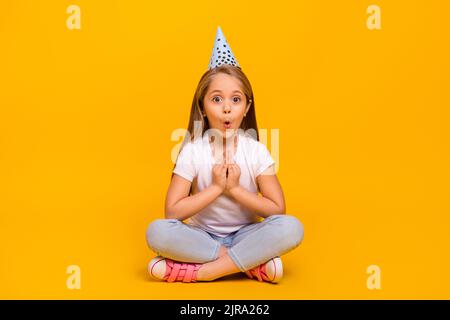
(226, 108)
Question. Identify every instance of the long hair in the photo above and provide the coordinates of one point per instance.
(248, 122)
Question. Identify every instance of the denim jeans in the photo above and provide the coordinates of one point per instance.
(248, 247)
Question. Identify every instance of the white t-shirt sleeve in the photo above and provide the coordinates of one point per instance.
(185, 163)
(263, 160)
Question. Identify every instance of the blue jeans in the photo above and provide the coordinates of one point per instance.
(248, 247)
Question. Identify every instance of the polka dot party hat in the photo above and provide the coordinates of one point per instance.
(222, 53)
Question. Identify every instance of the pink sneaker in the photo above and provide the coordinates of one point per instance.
(270, 271)
(165, 269)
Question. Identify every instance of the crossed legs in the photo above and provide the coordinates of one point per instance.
(175, 240)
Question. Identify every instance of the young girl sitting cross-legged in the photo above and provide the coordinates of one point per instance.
(218, 173)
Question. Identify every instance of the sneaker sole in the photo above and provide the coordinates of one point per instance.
(277, 265)
(154, 262)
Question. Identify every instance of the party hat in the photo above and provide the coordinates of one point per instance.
(222, 53)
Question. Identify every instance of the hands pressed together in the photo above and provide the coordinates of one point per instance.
(226, 175)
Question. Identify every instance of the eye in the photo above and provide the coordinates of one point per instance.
(236, 99)
(215, 100)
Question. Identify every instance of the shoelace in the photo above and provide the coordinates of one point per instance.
(259, 272)
(179, 271)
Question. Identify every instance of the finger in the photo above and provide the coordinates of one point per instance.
(230, 158)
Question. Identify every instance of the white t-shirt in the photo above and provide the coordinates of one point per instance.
(224, 215)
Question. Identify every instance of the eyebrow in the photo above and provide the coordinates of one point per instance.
(239, 91)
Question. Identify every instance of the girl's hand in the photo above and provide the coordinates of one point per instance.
(234, 173)
(219, 173)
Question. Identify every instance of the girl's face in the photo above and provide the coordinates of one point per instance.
(225, 103)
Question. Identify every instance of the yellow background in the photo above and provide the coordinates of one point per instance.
(86, 117)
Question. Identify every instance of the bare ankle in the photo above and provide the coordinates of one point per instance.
(223, 251)
(203, 274)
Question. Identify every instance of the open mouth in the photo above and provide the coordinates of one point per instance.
(227, 124)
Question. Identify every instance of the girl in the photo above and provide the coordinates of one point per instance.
(215, 183)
